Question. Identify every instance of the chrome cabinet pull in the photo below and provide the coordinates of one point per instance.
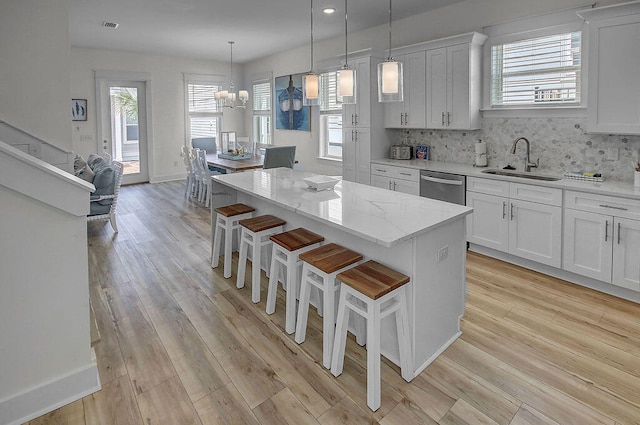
(504, 209)
(619, 233)
(512, 211)
(448, 119)
(389, 184)
(612, 207)
(356, 119)
(443, 119)
(352, 118)
(606, 230)
(394, 186)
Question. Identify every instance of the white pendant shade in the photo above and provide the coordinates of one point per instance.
(243, 95)
(347, 85)
(390, 87)
(310, 89)
(389, 77)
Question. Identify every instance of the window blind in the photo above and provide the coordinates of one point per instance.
(538, 70)
(262, 96)
(329, 93)
(201, 98)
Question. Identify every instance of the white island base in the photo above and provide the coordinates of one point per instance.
(422, 238)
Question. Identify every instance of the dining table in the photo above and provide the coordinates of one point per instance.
(234, 165)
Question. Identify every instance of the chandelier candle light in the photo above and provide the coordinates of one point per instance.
(310, 83)
(347, 76)
(390, 86)
(227, 98)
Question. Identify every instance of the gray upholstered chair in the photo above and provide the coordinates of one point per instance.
(205, 143)
(107, 181)
(279, 156)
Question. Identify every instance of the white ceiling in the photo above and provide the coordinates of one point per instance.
(202, 28)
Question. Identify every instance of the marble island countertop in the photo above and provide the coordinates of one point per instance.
(608, 187)
(378, 215)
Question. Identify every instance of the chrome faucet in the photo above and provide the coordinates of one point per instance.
(527, 164)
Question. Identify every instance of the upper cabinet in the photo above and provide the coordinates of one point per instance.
(614, 61)
(359, 114)
(454, 83)
(409, 113)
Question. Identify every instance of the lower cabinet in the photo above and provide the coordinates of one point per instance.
(356, 154)
(398, 179)
(523, 220)
(598, 242)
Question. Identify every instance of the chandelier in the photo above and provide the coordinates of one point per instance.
(227, 98)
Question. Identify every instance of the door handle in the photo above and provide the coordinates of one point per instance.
(443, 119)
(619, 231)
(356, 119)
(394, 186)
(352, 119)
(389, 184)
(443, 181)
(504, 209)
(512, 211)
(606, 230)
(448, 119)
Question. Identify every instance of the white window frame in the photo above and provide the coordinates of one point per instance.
(324, 125)
(214, 80)
(262, 112)
(557, 23)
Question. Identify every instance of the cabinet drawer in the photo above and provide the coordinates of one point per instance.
(395, 172)
(533, 193)
(488, 186)
(611, 205)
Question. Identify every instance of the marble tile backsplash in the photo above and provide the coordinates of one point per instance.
(562, 144)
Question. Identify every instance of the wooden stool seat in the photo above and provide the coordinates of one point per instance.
(255, 234)
(374, 292)
(319, 269)
(227, 219)
(287, 247)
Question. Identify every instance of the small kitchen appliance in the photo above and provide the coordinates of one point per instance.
(401, 152)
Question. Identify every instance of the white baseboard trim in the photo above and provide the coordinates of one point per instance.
(36, 402)
(423, 366)
(168, 178)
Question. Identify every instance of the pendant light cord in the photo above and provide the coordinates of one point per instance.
(389, 57)
(311, 70)
(231, 85)
(345, 34)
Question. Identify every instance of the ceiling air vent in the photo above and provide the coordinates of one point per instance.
(111, 25)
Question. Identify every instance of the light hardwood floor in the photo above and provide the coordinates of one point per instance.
(181, 345)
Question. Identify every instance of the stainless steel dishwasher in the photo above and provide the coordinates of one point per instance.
(443, 186)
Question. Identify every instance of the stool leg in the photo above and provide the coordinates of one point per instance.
(303, 307)
(373, 356)
(242, 260)
(228, 247)
(404, 343)
(340, 340)
(215, 253)
(328, 320)
(256, 257)
(292, 283)
(273, 283)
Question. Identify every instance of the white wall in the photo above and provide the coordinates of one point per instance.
(167, 85)
(34, 68)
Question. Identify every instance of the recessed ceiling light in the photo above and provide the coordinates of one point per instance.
(112, 25)
(329, 10)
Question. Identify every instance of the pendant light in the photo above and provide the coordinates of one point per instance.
(346, 76)
(390, 87)
(310, 81)
(227, 98)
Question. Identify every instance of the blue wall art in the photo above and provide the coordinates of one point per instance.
(290, 113)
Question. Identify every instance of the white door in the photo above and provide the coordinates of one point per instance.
(363, 155)
(626, 253)
(436, 90)
(535, 232)
(458, 87)
(488, 225)
(414, 90)
(381, 182)
(348, 154)
(587, 244)
(123, 130)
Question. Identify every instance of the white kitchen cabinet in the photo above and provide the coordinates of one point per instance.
(363, 136)
(410, 113)
(600, 240)
(454, 84)
(521, 219)
(614, 61)
(398, 179)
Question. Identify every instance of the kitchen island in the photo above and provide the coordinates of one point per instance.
(422, 238)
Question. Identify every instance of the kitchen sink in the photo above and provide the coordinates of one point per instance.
(521, 174)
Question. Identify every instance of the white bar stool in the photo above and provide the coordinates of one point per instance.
(227, 221)
(254, 232)
(286, 248)
(373, 291)
(319, 269)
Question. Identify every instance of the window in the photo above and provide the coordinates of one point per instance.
(330, 117)
(204, 117)
(262, 112)
(543, 71)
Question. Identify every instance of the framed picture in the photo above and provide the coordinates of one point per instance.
(78, 109)
(422, 152)
(290, 114)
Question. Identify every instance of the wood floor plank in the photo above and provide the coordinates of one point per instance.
(225, 406)
(283, 409)
(406, 412)
(462, 413)
(114, 404)
(167, 403)
(71, 414)
(529, 416)
(346, 412)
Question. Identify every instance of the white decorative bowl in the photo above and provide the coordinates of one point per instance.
(321, 182)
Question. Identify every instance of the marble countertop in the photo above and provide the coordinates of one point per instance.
(608, 187)
(378, 215)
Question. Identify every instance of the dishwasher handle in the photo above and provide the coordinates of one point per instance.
(443, 181)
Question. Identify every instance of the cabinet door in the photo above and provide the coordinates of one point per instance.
(436, 88)
(363, 91)
(587, 244)
(414, 90)
(407, 186)
(362, 155)
(626, 253)
(488, 225)
(381, 182)
(535, 232)
(348, 154)
(458, 80)
(614, 87)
